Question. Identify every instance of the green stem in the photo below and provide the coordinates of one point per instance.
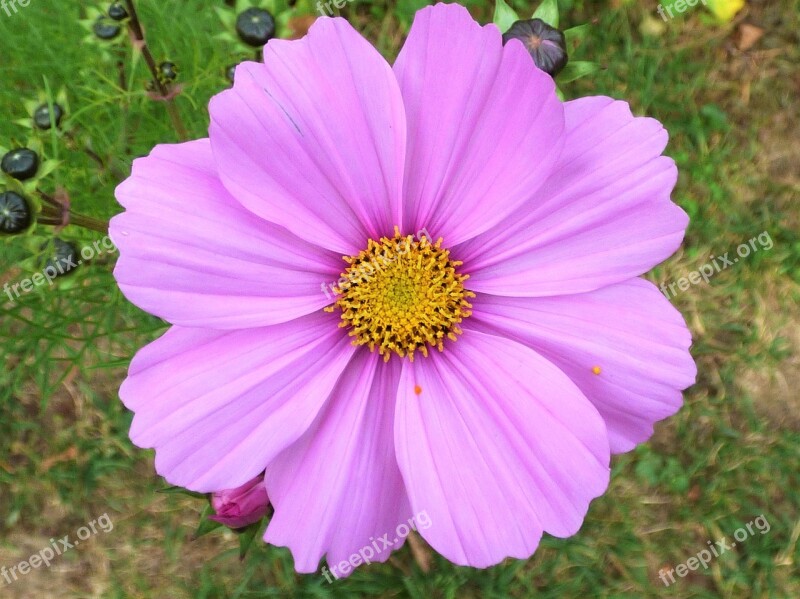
(88, 222)
(136, 28)
(177, 123)
(53, 214)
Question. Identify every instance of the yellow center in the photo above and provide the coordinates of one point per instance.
(402, 295)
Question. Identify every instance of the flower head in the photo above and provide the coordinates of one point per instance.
(242, 506)
(482, 375)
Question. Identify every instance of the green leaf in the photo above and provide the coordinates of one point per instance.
(576, 34)
(48, 166)
(227, 16)
(181, 491)
(548, 12)
(206, 525)
(504, 16)
(576, 69)
(246, 537)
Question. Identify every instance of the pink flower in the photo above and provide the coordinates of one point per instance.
(537, 350)
(244, 505)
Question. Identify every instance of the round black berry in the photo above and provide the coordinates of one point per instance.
(117, 12)
(546, 45)
(255, 26)
(167, 71)
(22, 164)
(15, 213)
(230, 72)
(41, 116)
(105, 29)
(64, 258)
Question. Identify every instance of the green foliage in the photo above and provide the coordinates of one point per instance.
(547, 11)
(504, 15)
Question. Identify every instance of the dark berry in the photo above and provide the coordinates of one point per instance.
(167, 71)
(105, 29)
(64, 258)
(546, 45)
(117, 12)
(41, 116)
(22, 164)
(15, 213)
(230, 72)
(255, 26)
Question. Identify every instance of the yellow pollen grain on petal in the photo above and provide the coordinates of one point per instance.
(401, 296)
(417, 389)
(596, 370)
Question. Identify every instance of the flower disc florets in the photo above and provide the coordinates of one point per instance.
(402, 295)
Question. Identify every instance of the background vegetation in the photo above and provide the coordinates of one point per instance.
(731, 454)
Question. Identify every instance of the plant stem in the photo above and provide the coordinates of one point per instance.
(177, 123)
(88, 222)
(136, 28)
(55, 213)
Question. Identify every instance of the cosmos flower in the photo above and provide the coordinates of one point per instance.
(482, 371)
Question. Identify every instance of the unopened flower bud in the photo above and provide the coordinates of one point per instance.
(15, 213)
(167, 71)
(546, 44)
(21, 164)
(117, 12)
(64, 258)
(106, 29)
(242, 506)
(255, 26)
(41, 116)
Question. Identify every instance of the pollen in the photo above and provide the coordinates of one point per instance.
(402, 296)
(596, 370)
(417, 389)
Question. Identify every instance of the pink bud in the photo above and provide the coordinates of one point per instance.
(239, 507)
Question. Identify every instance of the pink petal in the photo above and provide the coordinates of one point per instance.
(314, 138)
(192, 255)
(497, 446)
(218, 406)
(629, 330)
(484, 126)
(338, 488)
(604, 216)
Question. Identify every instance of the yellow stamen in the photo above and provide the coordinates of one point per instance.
(402, 296)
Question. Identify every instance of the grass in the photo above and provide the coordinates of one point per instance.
(731, 454)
